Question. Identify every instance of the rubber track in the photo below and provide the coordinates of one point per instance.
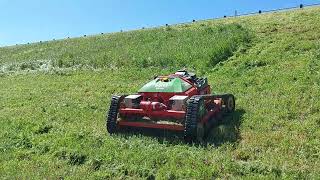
(191, 121)
(113, 115)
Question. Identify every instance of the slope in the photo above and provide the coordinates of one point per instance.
(54, 97)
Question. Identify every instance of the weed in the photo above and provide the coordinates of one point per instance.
(77, 158)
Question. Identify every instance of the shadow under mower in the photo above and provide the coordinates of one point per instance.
(178, 102)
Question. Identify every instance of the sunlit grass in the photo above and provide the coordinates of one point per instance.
(53, 117)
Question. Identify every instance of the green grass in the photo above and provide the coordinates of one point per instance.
(54, 97)
(194, 46)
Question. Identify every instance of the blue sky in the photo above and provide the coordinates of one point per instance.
(25, 21)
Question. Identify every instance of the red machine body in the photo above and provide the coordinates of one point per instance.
(189, 110)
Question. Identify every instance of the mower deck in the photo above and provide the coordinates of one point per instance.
(160, 114)
(153, 125)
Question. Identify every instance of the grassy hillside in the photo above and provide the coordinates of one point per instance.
(54, 96)
(194, 46)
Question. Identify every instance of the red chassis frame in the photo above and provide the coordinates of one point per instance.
(168, 114)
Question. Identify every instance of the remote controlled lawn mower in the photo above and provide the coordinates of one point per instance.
(178, 102)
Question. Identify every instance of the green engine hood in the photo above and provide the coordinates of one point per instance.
(175, 85)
